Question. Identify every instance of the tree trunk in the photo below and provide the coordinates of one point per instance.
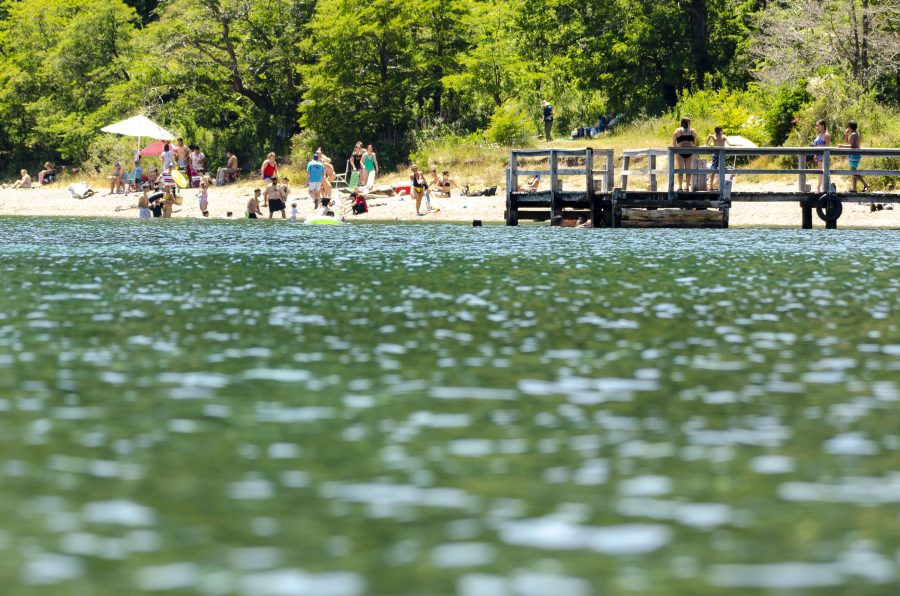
(699, 15)
(864, 57)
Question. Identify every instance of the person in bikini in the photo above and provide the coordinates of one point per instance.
(823, 139)
(24, 182)
(684, 136)
(716, 140)
(444, 184)
(419, 186)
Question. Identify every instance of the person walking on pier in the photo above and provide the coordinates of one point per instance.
(852, 140)
(684, 136)
(548, 119)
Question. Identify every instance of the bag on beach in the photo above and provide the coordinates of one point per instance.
(80, 190)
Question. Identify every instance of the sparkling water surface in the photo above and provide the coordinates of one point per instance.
(256, 408)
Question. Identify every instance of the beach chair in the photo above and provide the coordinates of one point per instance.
(130, 182)
(351, 186)
(340, 180)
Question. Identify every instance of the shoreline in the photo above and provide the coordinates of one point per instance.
(55, 200)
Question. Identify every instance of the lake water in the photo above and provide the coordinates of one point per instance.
(216, 407)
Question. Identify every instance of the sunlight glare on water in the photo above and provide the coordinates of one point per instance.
(218, 407)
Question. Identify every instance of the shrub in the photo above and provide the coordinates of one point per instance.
(509, 127)
(787, 105)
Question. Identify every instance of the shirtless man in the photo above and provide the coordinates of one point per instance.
(716, 140)
(273, 198)
(144, 205)
(852, 141)
(231, 167)
(253, 205)
(182, 153)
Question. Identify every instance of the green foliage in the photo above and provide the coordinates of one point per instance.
(509, 127)
(781, 118)
(252, 75)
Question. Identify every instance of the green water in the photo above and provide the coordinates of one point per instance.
(272, 409)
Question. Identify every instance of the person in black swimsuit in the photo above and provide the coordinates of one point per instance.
(684, 136)
(356, 158)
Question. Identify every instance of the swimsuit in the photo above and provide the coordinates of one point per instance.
(819, 142)
(685, 137)
(369, 162)
(854, 161)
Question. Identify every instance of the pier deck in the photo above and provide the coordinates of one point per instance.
(605, 206)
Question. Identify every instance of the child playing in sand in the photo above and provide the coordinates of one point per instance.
(294, 211)
(716, 140)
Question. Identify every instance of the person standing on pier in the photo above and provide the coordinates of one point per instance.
(852, 140)
(716, 140)
(684, 136)
(548, 119)
(823, 139)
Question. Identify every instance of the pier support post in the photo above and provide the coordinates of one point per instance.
(652, 160)
(832, 190)
(554, 186)
(512, 203)
(806, 218)
(626, 163)
(671, 174)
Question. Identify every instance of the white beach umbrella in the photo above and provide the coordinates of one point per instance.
(140, 126)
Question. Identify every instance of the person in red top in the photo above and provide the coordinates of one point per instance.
(269, 168)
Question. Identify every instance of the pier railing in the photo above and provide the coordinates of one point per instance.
(802, 155)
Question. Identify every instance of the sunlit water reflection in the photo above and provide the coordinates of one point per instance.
(230, 408)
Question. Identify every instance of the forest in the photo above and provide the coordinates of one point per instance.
(290, 75)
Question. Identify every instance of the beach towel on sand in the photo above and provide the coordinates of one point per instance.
(80, 190)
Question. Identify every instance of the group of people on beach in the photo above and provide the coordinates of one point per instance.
(45, 176)
(685, 136)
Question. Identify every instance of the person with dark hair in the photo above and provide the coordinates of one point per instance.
(168, 157)
(547, 112)
(823, 139)
(852, 140)
(684, 136)
(230, 169)
(716, 140)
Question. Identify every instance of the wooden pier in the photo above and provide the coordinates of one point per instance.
(578, 190)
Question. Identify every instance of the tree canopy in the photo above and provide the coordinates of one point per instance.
(256, 74)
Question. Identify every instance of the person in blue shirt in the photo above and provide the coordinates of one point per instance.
(315, 171)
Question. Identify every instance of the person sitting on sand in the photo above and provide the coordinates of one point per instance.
(532, 185)
(230, 169)
(294, 212)
(269, 168)
(116, 181)
(684, 136)
(716, 140)
(253, 211)
(46, 175)
(443, 185)
(144, 205)
(25, 182)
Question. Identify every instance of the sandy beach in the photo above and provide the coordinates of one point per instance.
(55, 200)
